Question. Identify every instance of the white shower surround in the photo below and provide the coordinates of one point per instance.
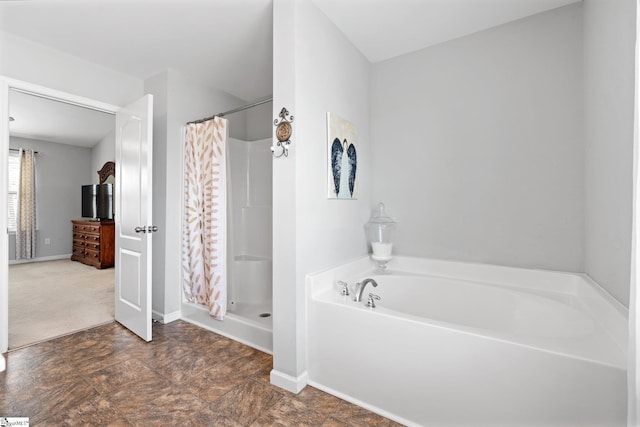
(249, 249)
(251, 226)
(455, 343)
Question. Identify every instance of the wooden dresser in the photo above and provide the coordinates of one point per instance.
(94, 242)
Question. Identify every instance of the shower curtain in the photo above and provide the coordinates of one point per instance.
(205, 214)
(26, 212)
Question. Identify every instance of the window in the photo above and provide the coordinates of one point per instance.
(14, 176)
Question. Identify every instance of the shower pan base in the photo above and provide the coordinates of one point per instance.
(259, 313)
(243, 324)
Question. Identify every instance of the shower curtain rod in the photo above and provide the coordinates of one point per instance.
(235, 110)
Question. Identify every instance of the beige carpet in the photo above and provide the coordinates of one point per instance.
(53, 298)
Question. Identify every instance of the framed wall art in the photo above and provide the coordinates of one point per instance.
(342, 138)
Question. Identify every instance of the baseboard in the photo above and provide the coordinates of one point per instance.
(165, 318)
(39, 259)
(287, 382)
(364, 405)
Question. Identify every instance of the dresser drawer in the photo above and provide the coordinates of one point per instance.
(91, 238)
(91, 254)
(78, 251)
(91, 245)
(92, 257)
(86, 228)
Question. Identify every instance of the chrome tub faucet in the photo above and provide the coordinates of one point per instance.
(360, 288)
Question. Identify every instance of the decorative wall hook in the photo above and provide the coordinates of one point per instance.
(283, 133)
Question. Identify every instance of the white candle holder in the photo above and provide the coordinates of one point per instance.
(379, 230)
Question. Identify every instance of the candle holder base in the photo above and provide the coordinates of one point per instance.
(380, 262)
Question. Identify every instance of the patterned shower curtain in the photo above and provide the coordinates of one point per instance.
(205, 215)
(26, 212)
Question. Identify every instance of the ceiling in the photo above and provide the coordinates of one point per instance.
(383, 29)
(227, 44)
(53, 121)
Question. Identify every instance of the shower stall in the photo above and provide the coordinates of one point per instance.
(249, 247)
(249, 270)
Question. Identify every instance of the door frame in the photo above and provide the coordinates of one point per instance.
(7, 84)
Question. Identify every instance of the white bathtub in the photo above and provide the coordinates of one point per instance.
(470, 344)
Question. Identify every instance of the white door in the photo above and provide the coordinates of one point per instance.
(133, 216)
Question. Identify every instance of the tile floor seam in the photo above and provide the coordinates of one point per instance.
(184, 391)
(105, 397)
(59, 410)
(229, 392)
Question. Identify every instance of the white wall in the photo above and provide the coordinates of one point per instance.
(259, 122)
(310, 231)
(328, 231)
(288, 351)
(24, 60)
(478, 145)
(61, 170)
(104, 151)
(609, 55)
(177, 102)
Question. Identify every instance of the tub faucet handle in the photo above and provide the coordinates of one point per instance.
(370, 302)
(345, 287)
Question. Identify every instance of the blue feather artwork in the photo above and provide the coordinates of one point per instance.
(343, 160)
(336, 163)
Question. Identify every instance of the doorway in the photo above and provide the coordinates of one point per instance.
(49, 295)
(7, 88)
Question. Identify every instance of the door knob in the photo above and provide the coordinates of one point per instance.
(140, 229)
(152, 228)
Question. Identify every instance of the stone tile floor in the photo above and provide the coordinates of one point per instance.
(186, 376)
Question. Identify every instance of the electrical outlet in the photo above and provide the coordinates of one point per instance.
(47, 241)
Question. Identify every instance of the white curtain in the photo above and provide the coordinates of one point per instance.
(26, 212)
(204, 238)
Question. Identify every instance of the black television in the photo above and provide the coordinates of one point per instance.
(97, 201)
